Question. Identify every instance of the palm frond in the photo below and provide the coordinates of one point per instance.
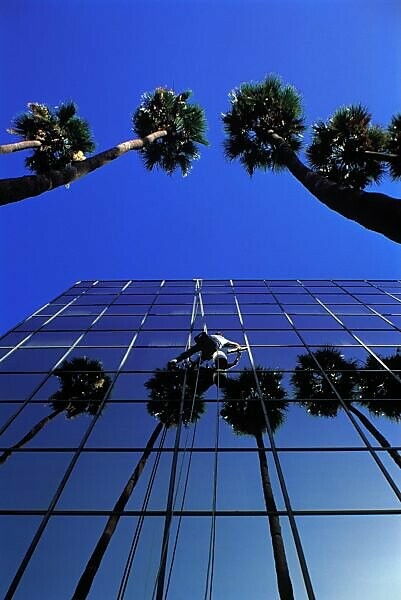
(338, 148)
(62, 134)
(185, 124)
(257, 108)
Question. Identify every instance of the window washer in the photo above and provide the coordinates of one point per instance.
(210, 347)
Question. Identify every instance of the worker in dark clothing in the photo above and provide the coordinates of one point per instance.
(211, 347)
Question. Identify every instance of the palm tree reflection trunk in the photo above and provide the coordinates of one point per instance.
(93, 564)
(376, 434)
(280, 559)
(30, 435)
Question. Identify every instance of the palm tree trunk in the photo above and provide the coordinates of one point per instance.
(17, 146)
(377, 212)
(280, 560)
(19, 188)
(93, 564)
(376, 434)
(30, 435)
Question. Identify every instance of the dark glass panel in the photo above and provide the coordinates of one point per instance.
(31, 360)
(107, 338)
(126, 309)
(337, 299)
(387, 309)
(220, 309)
(162, 338)
(218, 298)
(50, 338)
(264, 298)
(12, 339)
(110, 358)
(18, 388)
(260, 309)
(222, 322)
(19, 529)
(31, 324)
(346, 481)
(239, 481)
(295, 299)
(324, 338)
(108, 284)
(149, 359)
(175, 299)
(131, 386)
(304, 309)
(96, 299)
(276, 358)
(115, 323)
(267, 338)
(49, 310)
(167, 322)
(81, 311)
(374, 299)
(72, 323)
(41, 473)
(365, 322)
(135, 299)
(96, 291)
(266, 322)
(315, 322)
(349, 309)
(386, 338)
(282, 282)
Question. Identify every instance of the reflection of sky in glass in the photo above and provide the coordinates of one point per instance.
(326, 463)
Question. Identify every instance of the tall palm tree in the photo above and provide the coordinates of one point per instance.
(319, 398)
(263, 129)
(243, 410)
(60, 136)
(168, 126)
(166, 389)
(83, 384)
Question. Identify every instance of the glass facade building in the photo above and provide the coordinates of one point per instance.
(92, 413)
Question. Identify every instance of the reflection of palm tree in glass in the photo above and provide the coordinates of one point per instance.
(243, 410)
(83, 384)
(320, 399)
(166, 391)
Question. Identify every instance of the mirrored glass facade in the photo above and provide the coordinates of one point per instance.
(126, 475)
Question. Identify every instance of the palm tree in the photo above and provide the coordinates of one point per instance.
(59, 136)
(317, 395)
(346, 148)
(257, 108)
(83, 384)
(263, 129)
(244, 410)
(166, 389)
(168, 126)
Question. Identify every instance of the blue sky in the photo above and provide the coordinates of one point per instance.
(125, 222)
